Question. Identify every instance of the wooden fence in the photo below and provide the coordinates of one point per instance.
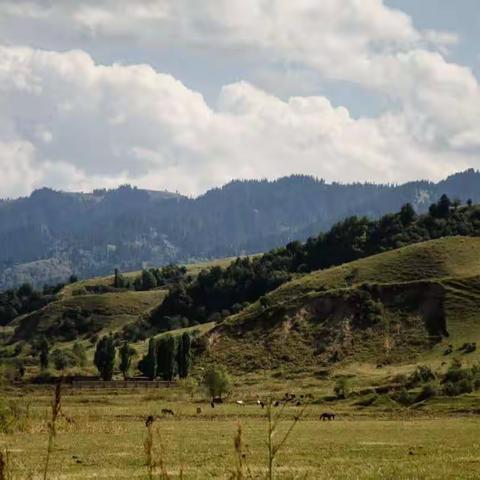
(117, 384)
(103, 385)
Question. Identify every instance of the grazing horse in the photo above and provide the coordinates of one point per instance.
(327, 416)
(167, 411)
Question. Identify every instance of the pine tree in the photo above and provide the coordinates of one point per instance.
(148, 364)
(407, 214)
(118, 280)
(184, 355)
(167, 357)
(104, 358)
(126, 353)
(148, 280)
(44, 351)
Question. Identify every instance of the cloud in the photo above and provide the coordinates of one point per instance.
(68, 122)
(77, 123)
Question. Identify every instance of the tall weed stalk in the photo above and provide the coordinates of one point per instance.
(52, 430)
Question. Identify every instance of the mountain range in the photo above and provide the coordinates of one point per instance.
(50, 235)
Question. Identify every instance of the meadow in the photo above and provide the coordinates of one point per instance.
(101, 435)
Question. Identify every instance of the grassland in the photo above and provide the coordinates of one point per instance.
(101, 434)
(313, 307)
(455, 257)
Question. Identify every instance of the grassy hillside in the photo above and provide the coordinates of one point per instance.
(192, 269)
(87, 315)
(78, 314)
(400, 306)
(446, 257)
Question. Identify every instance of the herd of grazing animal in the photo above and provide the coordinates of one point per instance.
(289, 398)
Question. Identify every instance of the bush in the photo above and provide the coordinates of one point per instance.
(217, 381)
(452, 389)
(422, 374)
(63, 359)
(456, 373)
(402, 397)
(470, 347)
(458, 380)
(428, 391)
(342, 388)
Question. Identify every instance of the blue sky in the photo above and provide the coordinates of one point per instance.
(187, 95)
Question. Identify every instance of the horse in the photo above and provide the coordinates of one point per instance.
(327, 416)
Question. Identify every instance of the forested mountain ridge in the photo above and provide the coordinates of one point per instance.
(50, 235)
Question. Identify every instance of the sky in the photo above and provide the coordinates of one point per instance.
(186, 95)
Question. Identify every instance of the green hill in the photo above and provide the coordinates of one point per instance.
(399, 306)
(80, 314)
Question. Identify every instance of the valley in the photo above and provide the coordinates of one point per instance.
(386, 341)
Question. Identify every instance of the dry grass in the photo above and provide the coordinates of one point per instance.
(107, 439)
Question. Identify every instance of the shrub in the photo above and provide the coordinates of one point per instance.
(402, 397)
(428, 391)
(422, 374)
(465, 385)
(217, 381)
(476, 376)
(470, 348)
(63, 359)
(456, 373)
(453, 389)
(342, 388)
(264, 302)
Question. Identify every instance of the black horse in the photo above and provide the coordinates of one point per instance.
(327, 416)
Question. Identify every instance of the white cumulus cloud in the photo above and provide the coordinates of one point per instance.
(70, 121)
(79, 124)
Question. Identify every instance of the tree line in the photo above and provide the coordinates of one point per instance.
(167, 357)
(218, 292)
(25, 299)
